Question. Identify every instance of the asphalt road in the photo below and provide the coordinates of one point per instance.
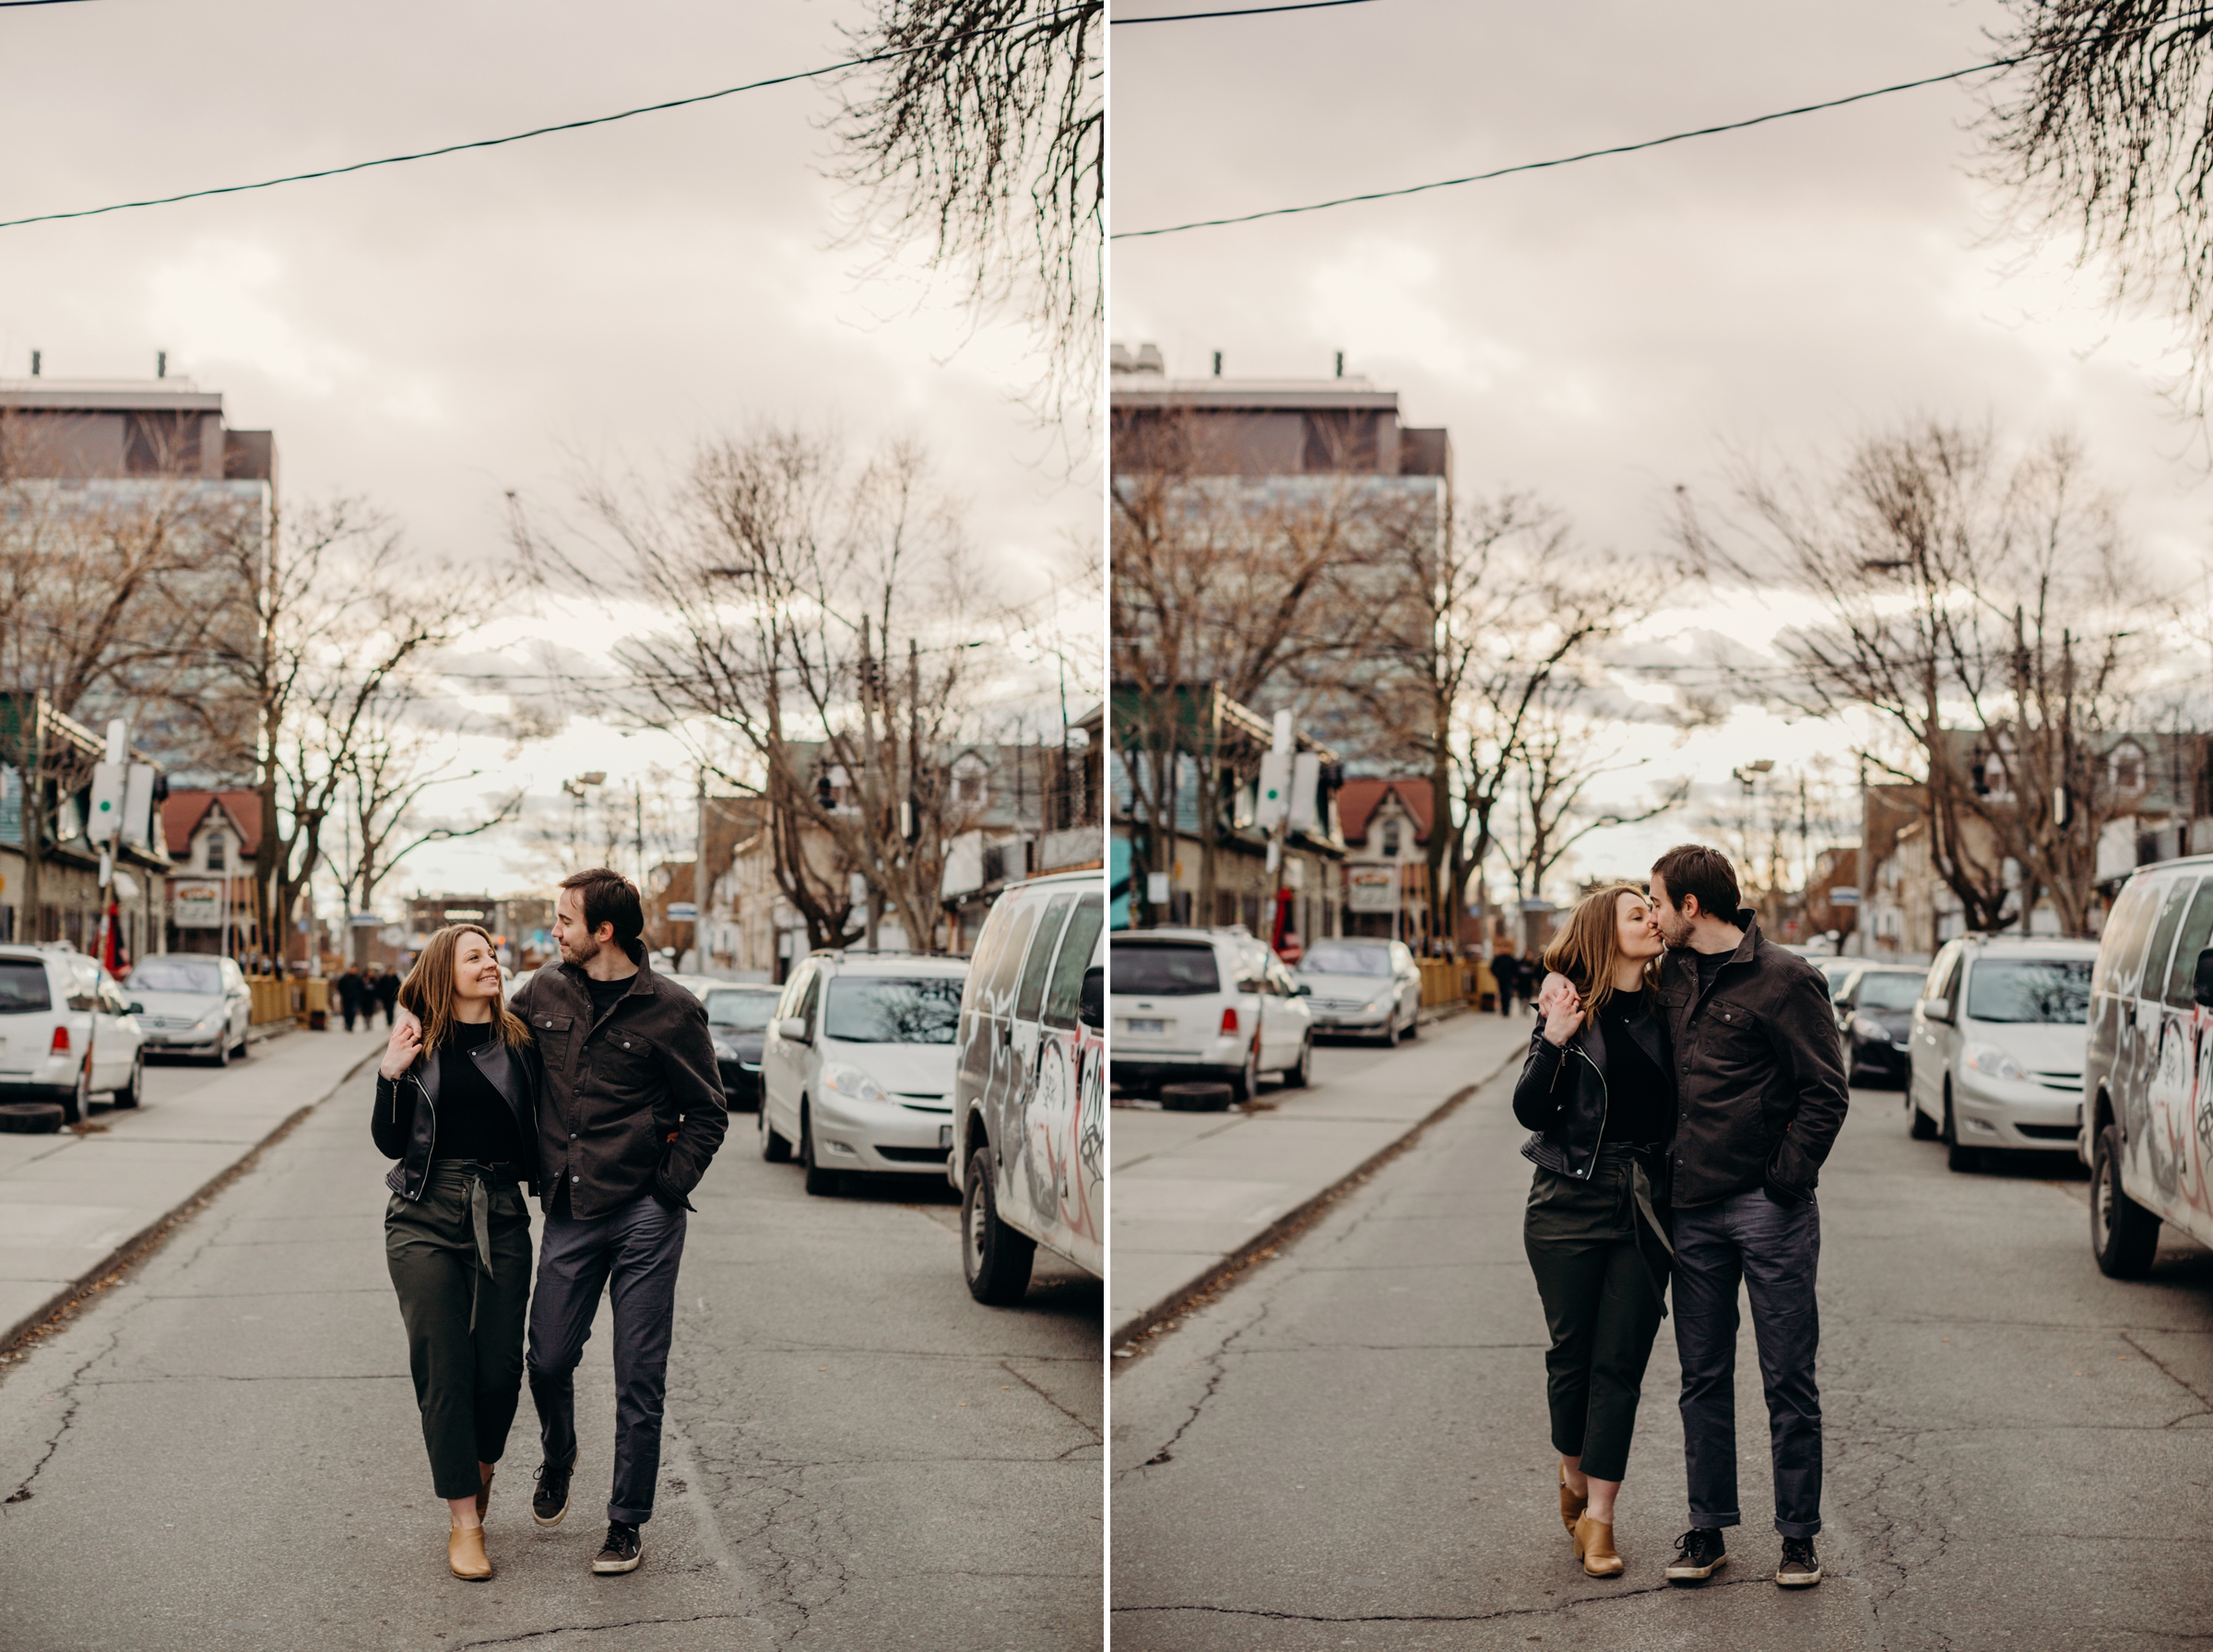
(1348, 1447)
(224, 1452)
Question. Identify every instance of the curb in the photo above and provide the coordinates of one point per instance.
(57, 1309)
(1292, 1222)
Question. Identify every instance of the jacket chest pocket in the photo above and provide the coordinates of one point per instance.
(552, 1032)
(622, 1064)
(1731, 1036)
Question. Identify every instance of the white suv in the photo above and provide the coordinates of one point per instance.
(53, 1001)
(1205, 1004)
(1997, 1043)
(857, 1070)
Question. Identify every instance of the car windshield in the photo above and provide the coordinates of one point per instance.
(1333, 957)
(740, 1012)
(1162, 972)
(1890, 992)
(172, 974)
(2054, 990)
(23, 986)
(870, 1009)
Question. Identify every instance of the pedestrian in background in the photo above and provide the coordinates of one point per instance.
(1506, 975)
(457, 1104)
(1597, 1092)
(1760, 1097)
(386, 988)
(349, 994)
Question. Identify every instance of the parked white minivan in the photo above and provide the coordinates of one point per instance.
(51, 1001)
(1030, 1087)
(2148, 1127)
(1996, 1046)
(857, 1070)
(1205, 1005)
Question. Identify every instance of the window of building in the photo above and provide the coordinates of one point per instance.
(2128, 770)
(971, 787)
(217, 846)
(1390, 838)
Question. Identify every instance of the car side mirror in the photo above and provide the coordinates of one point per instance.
(1937, 1009)
(134, 1008)
(794, 1028)
(1091, 998)
(1305, 989)
(2201, 983)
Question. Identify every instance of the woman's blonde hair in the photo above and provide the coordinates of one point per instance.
(427, 991)
(1589, 946)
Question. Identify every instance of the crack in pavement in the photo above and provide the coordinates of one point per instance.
(2205, 1401)
(1089, 1428)
(1213, 1383)
(536, 1634)
(67, 1391)
(1456, 1617)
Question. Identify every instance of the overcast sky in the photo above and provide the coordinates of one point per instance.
(1600, 333)
(433, 335)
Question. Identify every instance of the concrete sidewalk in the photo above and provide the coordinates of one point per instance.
(71, 1205)
(1192, 1190)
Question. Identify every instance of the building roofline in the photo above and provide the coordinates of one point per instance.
(99, 396)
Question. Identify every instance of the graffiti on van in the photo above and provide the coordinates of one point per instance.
(1066, 1129)
(2167, 1141)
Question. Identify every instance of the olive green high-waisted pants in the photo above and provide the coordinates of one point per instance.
(1600, 1263)
(460, 1259)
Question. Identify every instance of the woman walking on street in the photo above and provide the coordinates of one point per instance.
(457, 1104)
(1596, 1090)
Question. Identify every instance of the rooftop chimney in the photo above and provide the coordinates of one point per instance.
(1217, 365)
(162, 364)
(34, 364)
(1341, 364)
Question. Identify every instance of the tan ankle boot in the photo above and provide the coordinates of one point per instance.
(1594, 1548)
(1571, 1506)
(465, 1554)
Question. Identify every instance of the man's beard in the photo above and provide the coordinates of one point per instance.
(570, 955)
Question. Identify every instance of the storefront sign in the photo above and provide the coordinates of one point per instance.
(196, 905)
(1372, 888)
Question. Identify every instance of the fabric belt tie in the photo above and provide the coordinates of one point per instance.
(482, 1179)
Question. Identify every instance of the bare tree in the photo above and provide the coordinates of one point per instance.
(1221, 589)
(985, 135)
(1983, 607)
(818, 619)
(2104, 131)
(97, 616)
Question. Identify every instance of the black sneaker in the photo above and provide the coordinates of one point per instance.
(1800, 1569)
(550, 1501)
(622, 1550)
(1699, 1555)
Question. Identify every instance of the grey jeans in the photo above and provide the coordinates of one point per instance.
(632, 1253)
(1775, 1251)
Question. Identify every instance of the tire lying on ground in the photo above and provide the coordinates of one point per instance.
(1195, 1098)
(30, 1118)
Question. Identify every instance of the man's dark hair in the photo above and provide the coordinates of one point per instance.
(1694, 870)
(607, 897)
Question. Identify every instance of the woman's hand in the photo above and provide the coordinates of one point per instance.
(406, 1044)
(1562, 1008)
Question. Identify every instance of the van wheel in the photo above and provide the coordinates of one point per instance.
(76, 1105)
(2124, 1234)
(133, 1092)
(1917, 1122)
(773, 1148)
(1301, 1074)
(1962, 1159)
(820, 1182)
(995, 1257)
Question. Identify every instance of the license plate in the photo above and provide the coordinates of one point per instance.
(945, 1137)
(1137, 1025)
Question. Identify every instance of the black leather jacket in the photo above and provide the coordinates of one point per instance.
(405, 1124)
(1562, 1095)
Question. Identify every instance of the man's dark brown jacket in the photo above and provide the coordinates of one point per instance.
(1759, 1073)
(633, 1100)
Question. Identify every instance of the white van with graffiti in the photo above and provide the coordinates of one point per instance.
(1030, 1086)
(2147, 1078)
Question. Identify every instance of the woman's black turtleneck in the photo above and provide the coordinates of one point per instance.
(1640, 1100)
(474, 1120)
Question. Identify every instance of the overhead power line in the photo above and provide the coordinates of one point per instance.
(1538, 166)
(517, 137)
(5, 2)
(1244, 11)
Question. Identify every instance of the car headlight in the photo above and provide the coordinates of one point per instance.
(1868, 1028)
(725, 1052)
(851, 1081)
(1989, 1060)
(207, 1023)
(1381, 1000)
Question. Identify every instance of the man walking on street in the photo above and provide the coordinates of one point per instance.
(384, 990)
(1760, 1096)
(349, 994)
(632, 1113)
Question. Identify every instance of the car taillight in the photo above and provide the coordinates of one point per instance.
(1229, 1021)
(61, 1041)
